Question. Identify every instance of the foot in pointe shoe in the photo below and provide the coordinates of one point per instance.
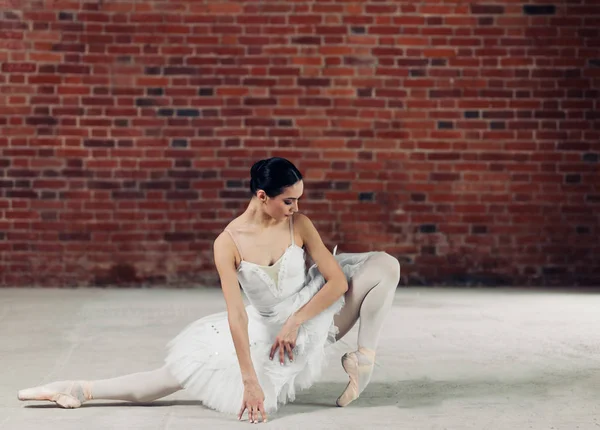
(359, 367)
(66, 394)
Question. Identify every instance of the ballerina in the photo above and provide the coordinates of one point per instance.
(259, 355)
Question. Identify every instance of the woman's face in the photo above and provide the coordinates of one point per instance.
(285, 204)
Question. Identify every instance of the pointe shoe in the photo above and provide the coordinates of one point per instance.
(359, 370)
(72, 397)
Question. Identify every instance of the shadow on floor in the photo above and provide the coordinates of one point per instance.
(410, 394)
(428, 393)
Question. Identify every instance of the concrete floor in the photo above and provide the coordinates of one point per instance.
(448, 359)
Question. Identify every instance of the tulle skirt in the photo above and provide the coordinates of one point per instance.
(204, 361)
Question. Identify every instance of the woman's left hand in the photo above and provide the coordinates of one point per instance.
(286, 340)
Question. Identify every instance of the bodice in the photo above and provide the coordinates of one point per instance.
(262, 290)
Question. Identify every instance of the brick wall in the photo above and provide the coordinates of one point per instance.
(461, 137)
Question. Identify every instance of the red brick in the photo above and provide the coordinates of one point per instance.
(366, 101)
(18, 67)
(70, 90)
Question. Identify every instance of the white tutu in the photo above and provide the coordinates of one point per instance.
(203, 357)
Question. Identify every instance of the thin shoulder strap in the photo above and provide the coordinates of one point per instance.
(292, 229)
(237, 245)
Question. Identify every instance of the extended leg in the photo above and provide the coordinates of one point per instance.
(369, 297)
(136, 387)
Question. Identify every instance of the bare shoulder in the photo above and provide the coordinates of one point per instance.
(303, 223)
(222, 240)
(317, 250)
(224, 255)
(307, 230)
(233, 225)
(223, 248)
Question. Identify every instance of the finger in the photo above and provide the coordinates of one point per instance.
(290, 353)
(281, 353)
(273, 349)
(261, 408)
(242, 411)
(254, 415)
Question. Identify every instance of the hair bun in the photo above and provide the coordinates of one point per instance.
(273, 175)
(256, 168)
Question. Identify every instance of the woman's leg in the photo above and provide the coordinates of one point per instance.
(136, 387)
(369, 297)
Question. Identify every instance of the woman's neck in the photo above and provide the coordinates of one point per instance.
(255, 217)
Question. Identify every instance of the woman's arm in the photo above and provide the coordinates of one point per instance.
(254, 397)
(336, 284)
(224, 255)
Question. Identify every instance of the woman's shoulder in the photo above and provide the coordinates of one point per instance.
(236, 228)
(224, 237)
(302, 220)
(236, 224)
(304, 226)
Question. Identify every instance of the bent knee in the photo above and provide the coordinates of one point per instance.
(390, 266)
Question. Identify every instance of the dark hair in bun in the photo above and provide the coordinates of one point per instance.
(273, 175)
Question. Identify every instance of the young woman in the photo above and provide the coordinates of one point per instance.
(255, 357)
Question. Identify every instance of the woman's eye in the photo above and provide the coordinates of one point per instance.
(287, 202)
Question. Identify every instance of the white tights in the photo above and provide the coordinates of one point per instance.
(137, 387)
(369, 297)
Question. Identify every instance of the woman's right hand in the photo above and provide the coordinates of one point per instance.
(253, 401)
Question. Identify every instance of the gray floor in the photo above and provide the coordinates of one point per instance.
(449, 359)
